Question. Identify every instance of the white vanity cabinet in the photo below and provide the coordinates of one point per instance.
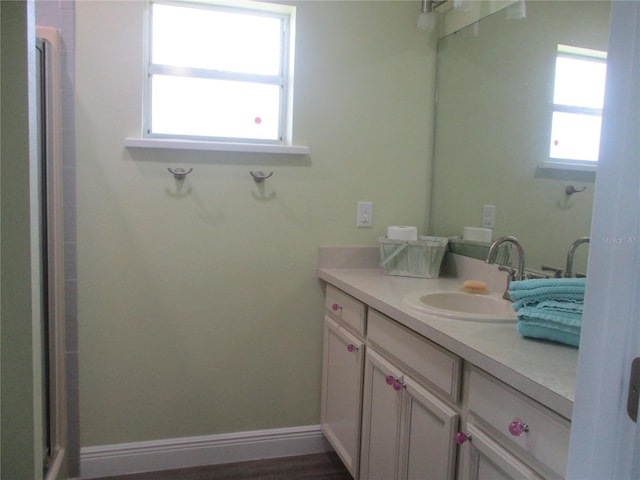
(398, 406)
(407, 431)
(343, 365)
(509, 436)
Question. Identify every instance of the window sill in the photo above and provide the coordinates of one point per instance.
(170, 144)
(570, 165)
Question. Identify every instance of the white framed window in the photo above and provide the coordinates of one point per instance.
(578, 98)
(219, 72)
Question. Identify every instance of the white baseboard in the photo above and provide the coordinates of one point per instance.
(172, 453)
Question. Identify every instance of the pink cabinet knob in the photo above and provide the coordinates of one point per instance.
(462, 437)
(517, 428)
(353, 348)
(394, 382)
(335, 307)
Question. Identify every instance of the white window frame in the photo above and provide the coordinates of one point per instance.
(284, 79)
(565, 163)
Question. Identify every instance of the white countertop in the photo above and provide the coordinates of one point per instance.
(545, 371)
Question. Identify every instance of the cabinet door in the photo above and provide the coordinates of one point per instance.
(380, 419)
(546, 439)
(343, 365)
(484, 459)
(427, 439)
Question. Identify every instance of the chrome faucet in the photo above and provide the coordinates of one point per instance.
(568, 271)
(514, 273)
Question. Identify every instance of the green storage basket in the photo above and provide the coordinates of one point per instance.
(419, 258)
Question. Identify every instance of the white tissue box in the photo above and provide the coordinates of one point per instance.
(477, 234)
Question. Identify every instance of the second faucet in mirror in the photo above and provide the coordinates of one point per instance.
(568, 271)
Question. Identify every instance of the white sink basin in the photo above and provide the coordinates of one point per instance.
(463, 306)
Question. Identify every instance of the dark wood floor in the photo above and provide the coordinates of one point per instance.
(305, 467)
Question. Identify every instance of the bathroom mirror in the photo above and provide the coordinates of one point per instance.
(495, 86)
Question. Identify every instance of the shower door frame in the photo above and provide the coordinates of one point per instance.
(55, 461)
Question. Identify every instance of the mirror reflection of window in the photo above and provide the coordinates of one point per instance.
(578, 98)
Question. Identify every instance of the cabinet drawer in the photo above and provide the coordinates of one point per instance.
(346, 309)
(429, 363)
(497, 406)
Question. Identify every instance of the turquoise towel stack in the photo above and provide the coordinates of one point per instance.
(549, 309)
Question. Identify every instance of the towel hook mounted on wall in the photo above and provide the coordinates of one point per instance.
(260, 177)
(179, 173)
(570, 190)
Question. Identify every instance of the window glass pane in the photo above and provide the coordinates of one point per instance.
(216, 40)
(575, 136)
(216, 108)
(579, 82)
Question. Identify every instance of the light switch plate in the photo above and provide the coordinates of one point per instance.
(365, 214)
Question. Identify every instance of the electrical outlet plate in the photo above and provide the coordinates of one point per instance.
(489, 216)
(365, 214)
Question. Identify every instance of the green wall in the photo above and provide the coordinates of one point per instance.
(21, 434)
(200, 311)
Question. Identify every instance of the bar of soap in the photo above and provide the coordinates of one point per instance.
(475, 286)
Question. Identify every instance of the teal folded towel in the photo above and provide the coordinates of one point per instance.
(557, 321)
(549, 309)
(527, 292)
(548, 282)
(568, 318)
(546, 332)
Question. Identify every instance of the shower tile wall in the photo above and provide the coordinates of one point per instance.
(60, 14)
